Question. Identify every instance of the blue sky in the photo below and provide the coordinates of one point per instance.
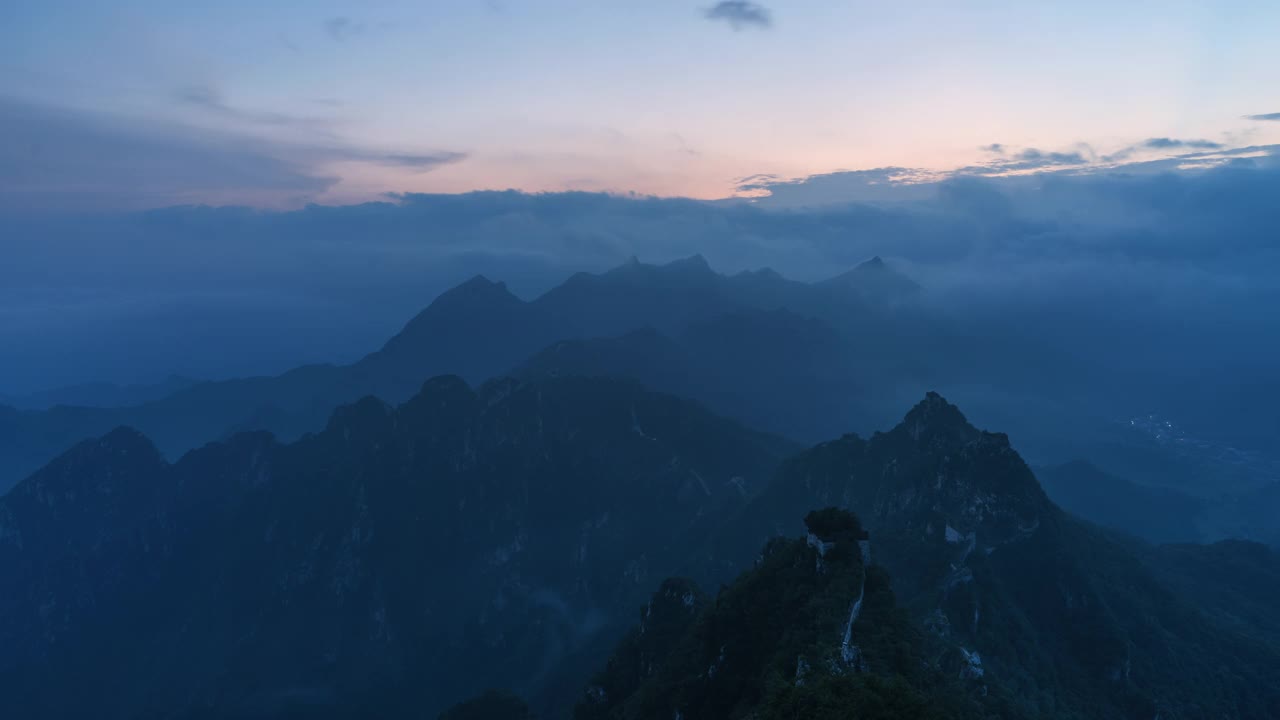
(280, 103)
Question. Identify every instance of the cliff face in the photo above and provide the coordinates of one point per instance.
(811, 631)
(1065, 615)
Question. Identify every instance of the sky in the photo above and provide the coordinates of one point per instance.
(219, 189)
(149, 103)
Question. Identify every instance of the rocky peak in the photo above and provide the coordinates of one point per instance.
(875, 278)
(694, 268)
(936, 423)
(95, 492)
(439, 411)
(112, 464)
(695, 263)
(366, 421)
(456, 316)
(477, 290)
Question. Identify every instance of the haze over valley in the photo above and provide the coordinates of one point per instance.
(507, 360)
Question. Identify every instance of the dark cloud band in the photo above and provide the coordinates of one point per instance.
(740, 14)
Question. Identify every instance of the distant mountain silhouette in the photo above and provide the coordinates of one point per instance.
(771, 369)
(804, 360)
(98, 394)
(876, 281)
(477, 330)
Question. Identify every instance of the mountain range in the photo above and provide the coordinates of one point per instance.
(477, 330)
(1073, 619)
(399, 554)
(805, 360)
(465, 521)
(405, 558)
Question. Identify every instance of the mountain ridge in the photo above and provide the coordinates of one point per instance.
(1073, 620)
(549, 508)
(478, 329)
(316, 565)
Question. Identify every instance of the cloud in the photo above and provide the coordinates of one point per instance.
(323, 143)
(1158, 144)
(752, 182)
(879, 185)
(1030, 159)
(1084, 159)
(342, 28)
(421, 162)
(59, 158)
(899, 185)
(209, 99)
(1140, 246)
(1170, 143)
(740, 14)
(1265, 116)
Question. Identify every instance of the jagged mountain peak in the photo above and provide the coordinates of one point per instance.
(933, 421)
(477, 312)
(693, 266)
(86, 497)
(695, 262)
(975, 483)
(368, 414)
(934, 475)
(478, 289)
(444, 386)
(97, 464)
(125, 440)
(875, 278)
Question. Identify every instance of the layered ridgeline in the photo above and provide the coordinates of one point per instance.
(805, 360)
(480, 330)
(399, 560)
(776, 370)
(1069, 619)
(406, 558)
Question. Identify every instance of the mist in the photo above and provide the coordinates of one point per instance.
(1151, 273)
(633, 361)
